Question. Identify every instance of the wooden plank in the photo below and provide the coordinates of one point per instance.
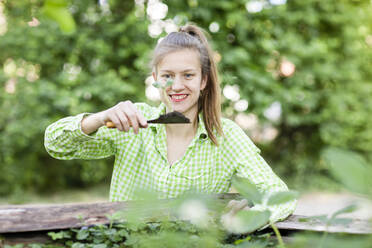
(26, 218)
(25, 238)
(297, 223)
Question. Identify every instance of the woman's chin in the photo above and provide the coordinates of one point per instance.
(185, 109)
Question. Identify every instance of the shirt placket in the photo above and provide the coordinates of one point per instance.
(161, 147)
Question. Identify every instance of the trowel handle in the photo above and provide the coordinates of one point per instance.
(110, 124)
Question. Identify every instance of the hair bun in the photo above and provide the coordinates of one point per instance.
(192, 33)
(186, 29)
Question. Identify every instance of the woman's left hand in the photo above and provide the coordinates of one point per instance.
(233, 207)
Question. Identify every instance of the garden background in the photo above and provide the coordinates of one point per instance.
(296, 75)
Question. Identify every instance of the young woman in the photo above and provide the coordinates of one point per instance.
(174, 158)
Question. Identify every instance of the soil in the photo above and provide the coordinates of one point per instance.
(172, 117)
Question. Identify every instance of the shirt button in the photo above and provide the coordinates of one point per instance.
(203, 136)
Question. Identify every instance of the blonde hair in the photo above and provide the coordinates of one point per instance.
(193, 37)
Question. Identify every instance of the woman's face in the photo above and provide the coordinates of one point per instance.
(184, 68)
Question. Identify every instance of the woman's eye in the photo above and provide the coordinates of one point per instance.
(188, 75)
(166, 76)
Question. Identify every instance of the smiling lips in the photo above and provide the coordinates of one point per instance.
(178, 97)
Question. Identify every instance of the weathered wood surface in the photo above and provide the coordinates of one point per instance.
(296, 223)
(24, 218)
(27, 218)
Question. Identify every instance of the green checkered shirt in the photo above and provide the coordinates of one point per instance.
(141, 160)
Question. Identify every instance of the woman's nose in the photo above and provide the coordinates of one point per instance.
(177, 83)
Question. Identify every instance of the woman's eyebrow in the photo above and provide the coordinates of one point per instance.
(187, 70)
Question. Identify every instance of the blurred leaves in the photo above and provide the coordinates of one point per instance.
(247, 189)
(350, 169)
(57, 11)
(282, 197)
(324, 103)
(347, 209)
(251, 220)
(86, 71)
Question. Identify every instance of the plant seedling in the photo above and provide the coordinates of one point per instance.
(173, 116)
(255, 219)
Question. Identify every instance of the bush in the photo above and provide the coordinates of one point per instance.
(303, 66)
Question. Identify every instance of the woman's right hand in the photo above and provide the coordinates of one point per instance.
(123, 115)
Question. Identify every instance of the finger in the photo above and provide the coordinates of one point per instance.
(231, 204)
(131, 115)
(240, 205)
(246, 208)
(123, 119)
(116, 121)
(140, 118)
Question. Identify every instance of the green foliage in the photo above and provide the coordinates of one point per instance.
(155, 234)
(247, 189)
(57, 11)
(252, 220)
(351, 169)
(325, 102)
(87, 71)
(353, 172)
(154, 229)
(333, 241)
(282, 197)
(136, 227)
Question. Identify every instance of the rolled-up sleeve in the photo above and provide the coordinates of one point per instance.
(64, 139)
(250, 165)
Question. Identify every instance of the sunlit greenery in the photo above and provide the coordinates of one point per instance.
(197, 221)
(303, 67)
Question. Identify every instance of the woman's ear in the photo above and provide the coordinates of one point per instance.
(204, 82)
(154, 75)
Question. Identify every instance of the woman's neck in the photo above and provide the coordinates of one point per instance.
(183, 131)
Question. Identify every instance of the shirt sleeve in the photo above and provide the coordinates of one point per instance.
(249, 164)
(64, 139)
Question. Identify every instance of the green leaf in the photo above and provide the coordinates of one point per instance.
(14, 246)
(282, 197)
(59, 235)
(247, 189)
(57, 11)
(36, 245)
(348, 209)
(251, 220)
(349, 168)
(156, 84)
(82, 234)
(321, 218)
(131, 241)
(100, 246)
(169, 83)
(340, 221)
(56, 3)
(78, 245)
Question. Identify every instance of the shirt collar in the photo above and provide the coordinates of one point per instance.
(160, 110)
(201, 133)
